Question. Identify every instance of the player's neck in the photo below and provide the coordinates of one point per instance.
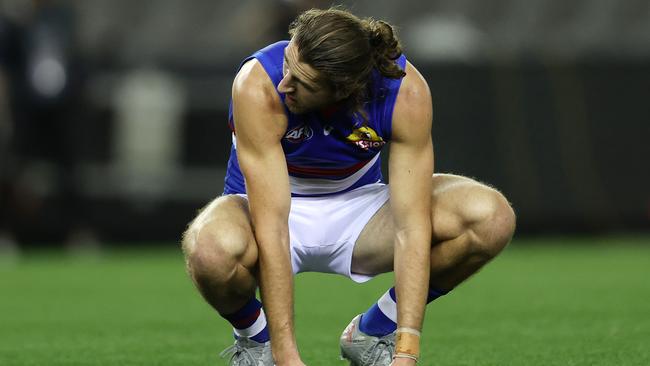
(332, 109)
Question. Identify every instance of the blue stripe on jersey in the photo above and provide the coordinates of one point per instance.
(326, 153)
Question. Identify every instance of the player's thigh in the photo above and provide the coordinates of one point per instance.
(222, 231)
(373, 252)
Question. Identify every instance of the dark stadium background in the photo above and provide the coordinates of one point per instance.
(113, 134)
(113, 114)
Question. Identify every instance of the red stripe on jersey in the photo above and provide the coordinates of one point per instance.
(327, 172)
(231, 126)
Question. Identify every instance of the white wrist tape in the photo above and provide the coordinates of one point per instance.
(409, 330)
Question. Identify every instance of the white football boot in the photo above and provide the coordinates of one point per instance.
(364, 350)
(246, 352)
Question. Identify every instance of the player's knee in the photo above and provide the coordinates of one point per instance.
(491, 220)
(213, 250)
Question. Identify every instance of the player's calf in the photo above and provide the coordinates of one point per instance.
(489, 222)
(476, 223)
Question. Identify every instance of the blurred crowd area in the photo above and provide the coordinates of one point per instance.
(113, 113)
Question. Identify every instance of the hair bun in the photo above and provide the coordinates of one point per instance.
(386, 47)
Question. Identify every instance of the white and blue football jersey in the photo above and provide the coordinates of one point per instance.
(330, 151)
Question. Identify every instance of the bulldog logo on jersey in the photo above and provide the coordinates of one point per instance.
(299, 134)
(366, 138)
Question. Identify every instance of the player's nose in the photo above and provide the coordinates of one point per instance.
(285, 86)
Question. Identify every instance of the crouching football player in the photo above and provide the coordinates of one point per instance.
(304, 192)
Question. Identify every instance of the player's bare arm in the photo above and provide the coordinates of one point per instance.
(260, 125)
(410, 169)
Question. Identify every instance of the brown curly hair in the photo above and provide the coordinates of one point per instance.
(345, 49)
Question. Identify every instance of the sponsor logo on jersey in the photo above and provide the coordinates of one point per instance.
(299, 134)
(366, 138)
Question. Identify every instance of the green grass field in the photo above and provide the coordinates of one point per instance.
(543, 302)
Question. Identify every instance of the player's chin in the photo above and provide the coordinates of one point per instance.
(295, 109)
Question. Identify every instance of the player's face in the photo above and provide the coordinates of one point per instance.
(301, 86)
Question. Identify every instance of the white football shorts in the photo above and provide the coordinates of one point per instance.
(323, 230)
